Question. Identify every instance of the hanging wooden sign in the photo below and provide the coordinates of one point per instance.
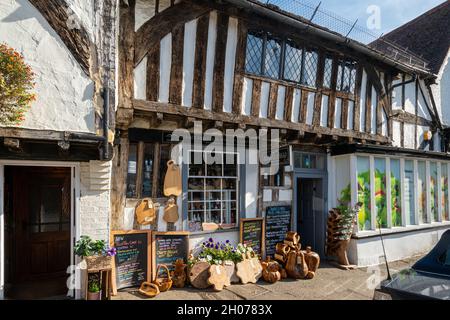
(252, 233)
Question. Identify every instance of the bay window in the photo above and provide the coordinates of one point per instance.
(394, 191)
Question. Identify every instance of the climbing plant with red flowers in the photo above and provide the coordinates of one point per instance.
(16, 86)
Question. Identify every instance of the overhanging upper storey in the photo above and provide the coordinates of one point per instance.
(240, 63)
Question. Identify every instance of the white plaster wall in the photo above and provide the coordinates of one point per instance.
(246, 104)
(279, 115)
(362, 103)
(145, 10)
(264, 100)
(140, 80)
(296, 105)
(190, 31)
(409, 135)
(397, 95)
(441, 91)
(337, 113)
(251, 188)
(410, 96)
(230, 59)
(210, 55)
(351, 112)
(323, 112)
(368, 251)
(310, 107)
(84, 11)
(396, 136)
(165, 64)
(64, 92)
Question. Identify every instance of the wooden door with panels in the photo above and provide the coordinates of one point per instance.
(41, 201)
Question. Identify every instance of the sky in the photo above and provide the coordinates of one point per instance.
(392, 13)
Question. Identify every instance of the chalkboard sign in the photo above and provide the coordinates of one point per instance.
(278, 223)
(252, 234)
(131, 263)
(168, 247)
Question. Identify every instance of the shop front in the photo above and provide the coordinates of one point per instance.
(403, 192)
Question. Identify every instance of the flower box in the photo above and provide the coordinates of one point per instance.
(98, 262)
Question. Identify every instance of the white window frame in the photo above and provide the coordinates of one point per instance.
(371, 157)
(238, 174)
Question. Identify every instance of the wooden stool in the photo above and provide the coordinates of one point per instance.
(106, 286)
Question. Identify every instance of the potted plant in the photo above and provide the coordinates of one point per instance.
(94, 287)
(94, 252)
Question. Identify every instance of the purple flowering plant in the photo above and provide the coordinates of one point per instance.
(216, 252)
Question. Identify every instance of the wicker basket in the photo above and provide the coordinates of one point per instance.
(98, 262)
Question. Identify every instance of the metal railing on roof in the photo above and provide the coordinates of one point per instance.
(315, 14)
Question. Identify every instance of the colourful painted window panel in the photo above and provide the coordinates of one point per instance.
(380, 192)
(422, 192)
(396, 208)
(434, 192)
(363, 171)
(444, 192)
(409, 194)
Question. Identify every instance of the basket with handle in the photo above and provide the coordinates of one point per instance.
(163, 283)
(148, 289)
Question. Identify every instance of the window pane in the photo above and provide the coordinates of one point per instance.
(409, 193)
(327, 73)
(346, 79)
(132, 169)
(364, 215)
(380, 192)
(444, 188)
(353, 80)
(293, 63)
(148, 170)
(164, 156)
(395, 193)
(422, 192)
(310, 68)
(254, 54)
(339, 77)
(434, 193)
(272, 59)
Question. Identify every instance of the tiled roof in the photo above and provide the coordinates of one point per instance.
(427, 36)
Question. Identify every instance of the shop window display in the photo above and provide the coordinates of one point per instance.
(422, 192)
(395, 193)
(212, 192)
(444, 192)
(434, 192)
(364, 215)
(380, 192)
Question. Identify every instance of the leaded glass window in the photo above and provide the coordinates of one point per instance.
(254, 53)
(328, 68)
(272, 58)
(293, 62)
(346, 77)
(309, 72)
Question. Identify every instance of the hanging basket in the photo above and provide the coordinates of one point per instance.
(98, 262)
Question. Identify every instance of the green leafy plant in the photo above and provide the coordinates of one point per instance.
(16, 84)
(86, 247)
(94, 285)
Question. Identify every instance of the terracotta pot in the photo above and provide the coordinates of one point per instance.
(94, 295)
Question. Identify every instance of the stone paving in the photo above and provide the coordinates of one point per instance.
(330, 283)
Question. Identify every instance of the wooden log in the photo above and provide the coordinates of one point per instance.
(219, 62)
(201, 46)
(176, 72)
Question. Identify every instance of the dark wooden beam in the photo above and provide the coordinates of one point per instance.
(201, 46)
(176, 70)
(146, 107)
(58, 14)
(219, 61)
(160, 25)
(239, 66)
(256, 97)
(152, 91)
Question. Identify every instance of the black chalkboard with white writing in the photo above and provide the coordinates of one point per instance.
(252, 234)
(278, 223)
(131, 262)
(168, 247)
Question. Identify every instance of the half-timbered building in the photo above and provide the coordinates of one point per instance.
(356, 123)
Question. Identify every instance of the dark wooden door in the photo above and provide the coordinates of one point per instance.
(41, 205)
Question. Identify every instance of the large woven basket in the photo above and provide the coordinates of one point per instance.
(98, 262)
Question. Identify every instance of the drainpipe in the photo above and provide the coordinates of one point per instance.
(105, 145)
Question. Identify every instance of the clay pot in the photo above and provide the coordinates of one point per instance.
(94, 295)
